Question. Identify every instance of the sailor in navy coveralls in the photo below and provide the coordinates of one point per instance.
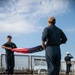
(68, 62)
(53, 37)
(9, 56)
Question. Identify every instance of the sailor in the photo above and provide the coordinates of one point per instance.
(53, 37)
(9, 56)
(68, 58)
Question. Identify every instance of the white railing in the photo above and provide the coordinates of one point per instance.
(31, 62)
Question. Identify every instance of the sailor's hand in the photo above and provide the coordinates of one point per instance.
(9, 48)
(43, 45)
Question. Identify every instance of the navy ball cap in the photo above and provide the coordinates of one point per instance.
(9, 36)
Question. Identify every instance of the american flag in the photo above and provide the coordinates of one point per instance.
(28, 50)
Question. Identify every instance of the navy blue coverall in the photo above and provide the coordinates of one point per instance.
(68, 63)
(9, 57)
(54, 37)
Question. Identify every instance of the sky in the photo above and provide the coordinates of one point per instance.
(25, 20)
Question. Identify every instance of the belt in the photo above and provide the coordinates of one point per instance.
(53, 45)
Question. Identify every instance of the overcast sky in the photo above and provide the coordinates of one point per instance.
(26, 19)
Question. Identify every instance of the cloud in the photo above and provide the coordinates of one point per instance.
(18, 27)
(24, 15)
(70, 30)
(51, 7)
